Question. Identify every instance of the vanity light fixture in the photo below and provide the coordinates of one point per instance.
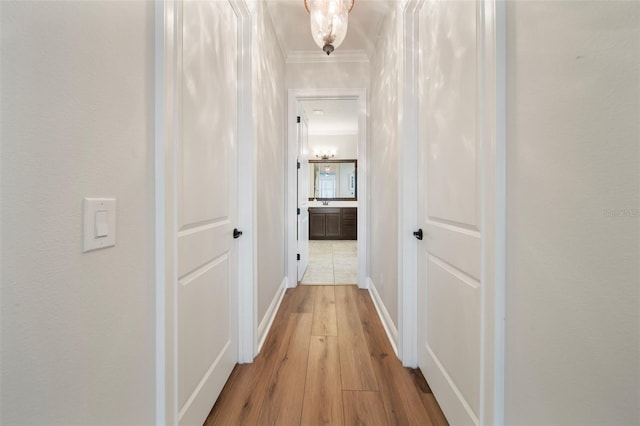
(329, 21)
(325, 155)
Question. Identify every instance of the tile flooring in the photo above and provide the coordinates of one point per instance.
(332, 263)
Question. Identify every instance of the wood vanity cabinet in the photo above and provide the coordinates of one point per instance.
(333, 223)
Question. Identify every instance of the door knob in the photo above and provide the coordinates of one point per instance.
(236, 233)
(418, 234)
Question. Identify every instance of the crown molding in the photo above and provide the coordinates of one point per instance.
(314, 57)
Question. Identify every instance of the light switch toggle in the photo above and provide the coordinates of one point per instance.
(102, 224)
(99, 223)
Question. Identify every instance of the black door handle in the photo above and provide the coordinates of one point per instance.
(236, 233)
(418, 234)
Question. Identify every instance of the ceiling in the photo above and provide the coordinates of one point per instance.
(340, 116)
(291, 21)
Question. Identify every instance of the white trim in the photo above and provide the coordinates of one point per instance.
(493, 178)
(270, 315)
(163, 50)
(247, 192)
(167, 43)
(315, 57)
(408, 185)
(291, 173)
(385, 318)
(500, 218)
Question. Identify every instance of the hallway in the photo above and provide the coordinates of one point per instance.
(327, 360)
(149, 223)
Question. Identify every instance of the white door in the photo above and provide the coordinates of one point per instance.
(207, 307)
(449, 209)
(303, 195)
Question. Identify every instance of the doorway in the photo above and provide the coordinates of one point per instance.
(327, 191)
(336, 222)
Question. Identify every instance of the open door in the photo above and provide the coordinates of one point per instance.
(207, 194)
(303, 195)
(449, 213)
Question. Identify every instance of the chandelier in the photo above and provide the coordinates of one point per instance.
(329, 20)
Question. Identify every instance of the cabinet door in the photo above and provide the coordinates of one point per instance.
(316, 225)
(332, 225)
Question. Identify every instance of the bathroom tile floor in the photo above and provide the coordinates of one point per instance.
(332, 263)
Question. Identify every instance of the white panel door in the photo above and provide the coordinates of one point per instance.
(207, 307)
(303, 195)
(449, 164)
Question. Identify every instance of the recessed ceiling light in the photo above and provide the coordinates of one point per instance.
(318, 112)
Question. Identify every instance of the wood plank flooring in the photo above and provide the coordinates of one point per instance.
(326, 361)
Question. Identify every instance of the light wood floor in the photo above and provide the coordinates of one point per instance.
(327, 360)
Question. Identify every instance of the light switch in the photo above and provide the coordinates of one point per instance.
(102, 224)
(99, 223)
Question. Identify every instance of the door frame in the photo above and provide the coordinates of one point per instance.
(303, 121)
(295, 95)
(493, 200)
(167, 72)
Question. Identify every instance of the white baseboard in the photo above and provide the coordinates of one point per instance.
(269, 316)
(387, 322)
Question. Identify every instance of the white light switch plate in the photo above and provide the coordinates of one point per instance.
(99, 223)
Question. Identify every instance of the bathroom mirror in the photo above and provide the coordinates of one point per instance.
(333, 180)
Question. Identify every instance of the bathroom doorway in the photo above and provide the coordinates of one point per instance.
(332, 153)
(334, 238)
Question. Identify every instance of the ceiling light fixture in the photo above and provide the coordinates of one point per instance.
(329, 21)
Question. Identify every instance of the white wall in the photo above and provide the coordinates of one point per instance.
(346, 146)
(77, 120)
(330, 75)
(573, 282)
(269, 114)
(383, 156)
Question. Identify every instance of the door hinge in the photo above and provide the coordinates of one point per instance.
(298, 164)
(297, 119)
(298, 256)
(298, 210)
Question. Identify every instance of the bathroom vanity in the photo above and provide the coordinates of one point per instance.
(333, 205)
(333, 223)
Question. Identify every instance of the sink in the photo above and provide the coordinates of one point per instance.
(334, 204)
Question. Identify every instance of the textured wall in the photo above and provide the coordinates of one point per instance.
(77, 120)
(269, 114)
(573, 281)
(383, 157)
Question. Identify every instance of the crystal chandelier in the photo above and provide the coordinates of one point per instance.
(329, 20)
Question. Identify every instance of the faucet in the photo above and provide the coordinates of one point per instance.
(325, 202)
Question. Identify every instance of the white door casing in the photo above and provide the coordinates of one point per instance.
(460, 158)
(294, 96)
(303, 193)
